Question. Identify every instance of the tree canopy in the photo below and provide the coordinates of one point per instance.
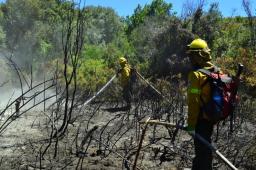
(31, 31)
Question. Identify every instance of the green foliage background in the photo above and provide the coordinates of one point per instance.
(32, 31)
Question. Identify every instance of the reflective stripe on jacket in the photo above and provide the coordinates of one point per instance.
(197, 87)
(125, 75)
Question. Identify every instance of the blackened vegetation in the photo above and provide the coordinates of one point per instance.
(95, 138)
(75, 135)
(171, 58)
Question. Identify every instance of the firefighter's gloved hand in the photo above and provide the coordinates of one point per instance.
(119, 71)
(190, 130)
(133, 69)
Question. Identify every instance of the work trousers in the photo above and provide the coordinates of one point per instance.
(128, 88)
(203, 154)
(127, 94)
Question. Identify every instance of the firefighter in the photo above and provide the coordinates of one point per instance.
(199, 93)
(126, 81)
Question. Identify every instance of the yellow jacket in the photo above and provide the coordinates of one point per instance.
(125, 74)
(197, 87)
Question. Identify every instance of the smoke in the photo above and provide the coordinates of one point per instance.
(5, 71)
(11, 89)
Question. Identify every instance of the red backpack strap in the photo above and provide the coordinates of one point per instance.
(205, 71)
(215, 69)
(223, 77)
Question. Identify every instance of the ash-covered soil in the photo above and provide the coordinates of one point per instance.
(113, 145)
(23, 141)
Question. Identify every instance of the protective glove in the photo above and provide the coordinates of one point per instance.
(118, 71)
(133, 69)
(190, 130)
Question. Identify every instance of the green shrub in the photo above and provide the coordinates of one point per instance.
(93, 74)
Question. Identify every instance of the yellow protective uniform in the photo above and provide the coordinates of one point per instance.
(125, 75)
(197, 87)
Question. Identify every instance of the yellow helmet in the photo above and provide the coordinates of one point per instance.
(122, 60)
(199, 51)
(198, 45)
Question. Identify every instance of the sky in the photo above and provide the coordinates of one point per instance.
(126, 7)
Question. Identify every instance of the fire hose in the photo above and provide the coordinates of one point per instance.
(194, 135)
(148, 83)
(100, 91)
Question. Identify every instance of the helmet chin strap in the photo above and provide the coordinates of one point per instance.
(200, 63)
(205, 56)
(123, 64)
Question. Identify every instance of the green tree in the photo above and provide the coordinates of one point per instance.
(233, 34)
(103, 25)
(207, 24)
(156, 8)
(19, 19)
(2, 33)
(105, 36)
(32, 30)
